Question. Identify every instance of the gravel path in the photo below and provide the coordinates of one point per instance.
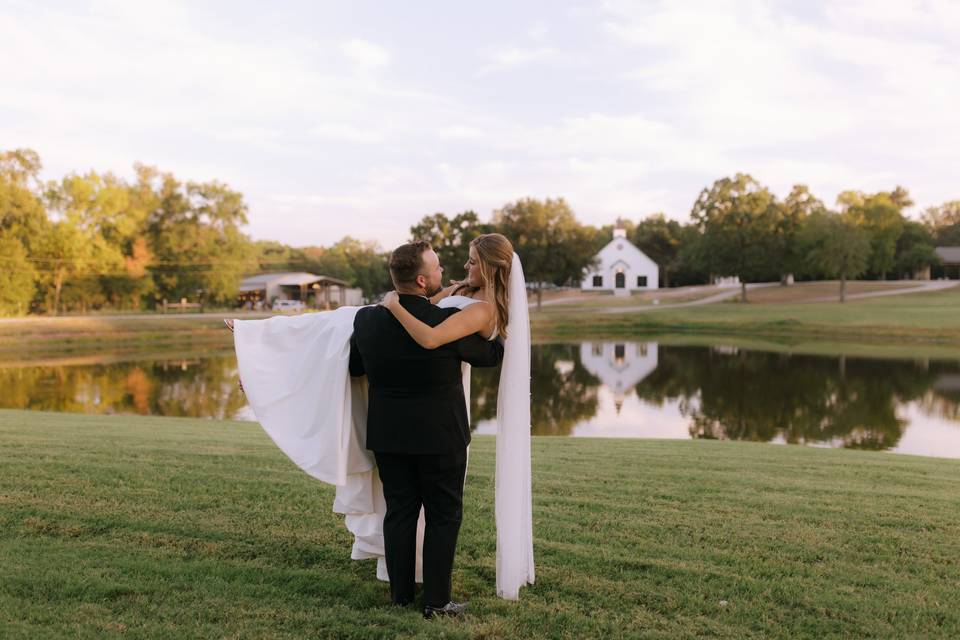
(922, 286)
(724, 294)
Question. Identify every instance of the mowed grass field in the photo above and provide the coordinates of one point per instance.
(137, 527)
(776, 312)
(920, 317)
(60, 336)
(800, 292)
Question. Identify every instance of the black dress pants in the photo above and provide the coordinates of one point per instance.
(436, 483)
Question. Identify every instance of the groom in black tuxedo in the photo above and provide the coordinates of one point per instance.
(417, 426)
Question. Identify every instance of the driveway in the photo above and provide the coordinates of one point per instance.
(724, 294)
(922, 286)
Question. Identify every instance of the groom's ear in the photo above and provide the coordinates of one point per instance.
(421, 281)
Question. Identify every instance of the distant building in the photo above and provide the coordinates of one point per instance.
(949, 261)
(622, 268)
(730, 281)
(320, 292)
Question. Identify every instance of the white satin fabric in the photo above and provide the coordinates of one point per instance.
(295, 373)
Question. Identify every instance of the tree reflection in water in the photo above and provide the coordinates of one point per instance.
(562, 392)
(737, 394)
(730, 393)
(190, 387)
(723, 392)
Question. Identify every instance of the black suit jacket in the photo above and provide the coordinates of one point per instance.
(416, 395)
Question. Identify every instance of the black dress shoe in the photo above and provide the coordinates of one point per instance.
(449, 610)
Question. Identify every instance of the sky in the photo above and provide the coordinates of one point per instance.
(359, 118)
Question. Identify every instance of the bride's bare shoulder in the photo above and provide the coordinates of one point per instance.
(480, 307)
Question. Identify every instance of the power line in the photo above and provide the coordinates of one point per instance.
(154, 263)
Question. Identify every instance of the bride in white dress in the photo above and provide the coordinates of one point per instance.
(294, 372)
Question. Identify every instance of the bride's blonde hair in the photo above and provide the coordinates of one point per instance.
(495, 257)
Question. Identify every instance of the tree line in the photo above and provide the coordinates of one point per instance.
(737, 227)
(93, 241)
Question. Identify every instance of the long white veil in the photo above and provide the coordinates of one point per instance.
(514, 505)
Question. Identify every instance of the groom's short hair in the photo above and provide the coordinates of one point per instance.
(406, 262)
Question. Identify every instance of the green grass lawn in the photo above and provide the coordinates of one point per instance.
(919, 317)
(43, 336)
(115, 527)
(933, 316)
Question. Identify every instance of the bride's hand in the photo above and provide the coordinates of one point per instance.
(390, 299)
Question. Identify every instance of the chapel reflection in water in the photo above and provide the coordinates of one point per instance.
(725, 392)
(619, 366)
(721, 392)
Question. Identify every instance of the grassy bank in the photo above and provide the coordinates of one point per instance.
(65, 335)
(918, 317)
(172, 528)
(912, 318)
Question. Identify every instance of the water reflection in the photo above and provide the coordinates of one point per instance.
(197, 387)
(619, 366)
(627, 389)
(722, 392)
(563, 392)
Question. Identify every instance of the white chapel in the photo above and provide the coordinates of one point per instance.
(622, 268)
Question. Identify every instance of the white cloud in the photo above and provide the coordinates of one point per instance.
(346, 133)
(538, 31)
(365, 55)
(511, 57)
(656, 100)
(791, 97)
(459, 132)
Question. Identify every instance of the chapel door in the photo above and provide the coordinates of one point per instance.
(621, 280)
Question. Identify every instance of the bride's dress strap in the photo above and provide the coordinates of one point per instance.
(456, 301)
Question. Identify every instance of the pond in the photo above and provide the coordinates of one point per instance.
(589, 389)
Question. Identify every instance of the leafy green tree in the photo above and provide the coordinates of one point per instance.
(799, 205)
(691, 266)
(17, 276)
(836, 247)
(661, 240)
(915, 249)
(944, 215)
(948, 236)
(362, 264)
(68, 256)
(133, 285)
(22, 212)
(194, 234)
(553, 246)
(99, 207)
(737, 218)
(943, 221)
(276, 256)
(450, 237)
(880, 214)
